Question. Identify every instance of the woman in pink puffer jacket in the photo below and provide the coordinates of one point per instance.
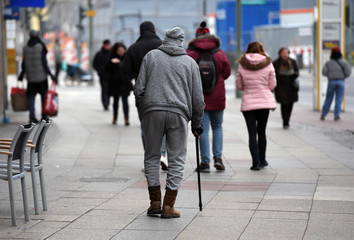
(256, 77)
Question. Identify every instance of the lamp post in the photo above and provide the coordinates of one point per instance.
(238, 40)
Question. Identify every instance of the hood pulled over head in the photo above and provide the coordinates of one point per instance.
(172, 43)
(255, 61)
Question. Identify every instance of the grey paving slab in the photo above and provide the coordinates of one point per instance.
(336, 181)
(281, 215)
(214, 228)
(274, 229)
(249, 197)
(214, 204)
(333, 207)
(334, 193)
(292, 189)
(107, 222)
(226, 213)
(190, 199)
(42, 230)
(288, 205)
(159, 224)
(330, 226)
(296, 175)
(80, 234)
(126, 234)
(135, 204)
(322, 163)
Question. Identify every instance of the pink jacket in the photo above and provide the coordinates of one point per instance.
(256, 77)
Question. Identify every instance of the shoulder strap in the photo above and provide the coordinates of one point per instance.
(341, 66)
(215, 50)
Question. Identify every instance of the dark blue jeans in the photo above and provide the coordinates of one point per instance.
(334, 87)
(215, 119)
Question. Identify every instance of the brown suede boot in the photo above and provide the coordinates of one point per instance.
(155, 201)
(168, 210)
(114, 122)
(127, 123)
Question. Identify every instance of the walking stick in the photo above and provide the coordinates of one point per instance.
(198, 173)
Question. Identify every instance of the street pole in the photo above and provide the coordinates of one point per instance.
(204, 9)
(350, 31)
(3, 61)
(238, 40)
(90, 6)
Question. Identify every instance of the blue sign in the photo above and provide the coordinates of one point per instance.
(27, 3)
(12, 13)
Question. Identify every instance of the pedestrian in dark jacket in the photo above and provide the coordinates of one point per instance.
(168, 94)
(215, 101)
(286, 91)
(35, 67)
(147, 41)
(336, 70)
(58, 59)
(119, 84)
(99, 62)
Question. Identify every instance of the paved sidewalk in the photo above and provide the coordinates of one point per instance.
(96, 189)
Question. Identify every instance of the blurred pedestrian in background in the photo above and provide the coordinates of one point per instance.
(119, 85)
(336, 69)
(168, 95)
(99, 62)
(35, 67)
(147, 41)
(217, 69)
(58, 59)
(286, 91)
(256, 77)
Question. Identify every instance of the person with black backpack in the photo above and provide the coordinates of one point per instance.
(214, 68)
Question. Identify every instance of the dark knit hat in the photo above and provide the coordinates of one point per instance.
(203, 29)
(34, 34)
(106, 41)
(335, 50)
(147, 26)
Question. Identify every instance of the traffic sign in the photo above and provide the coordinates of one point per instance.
(90, 13)
(27, 3)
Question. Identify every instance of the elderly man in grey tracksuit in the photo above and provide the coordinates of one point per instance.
(168, 94)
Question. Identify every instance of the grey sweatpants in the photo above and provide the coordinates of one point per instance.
(155, 124)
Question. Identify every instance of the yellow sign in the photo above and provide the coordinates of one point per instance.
(90, 13)
(11, 61)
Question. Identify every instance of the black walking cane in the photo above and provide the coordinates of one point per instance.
(198, 173)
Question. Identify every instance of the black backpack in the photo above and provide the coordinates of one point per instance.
(208, 68)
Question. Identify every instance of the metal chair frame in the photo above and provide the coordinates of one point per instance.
(36, 146)
(16, 152)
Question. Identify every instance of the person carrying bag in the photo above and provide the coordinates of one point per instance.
(51, 104)
(19, 100)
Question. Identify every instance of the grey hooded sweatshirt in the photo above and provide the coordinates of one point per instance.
(169, 80)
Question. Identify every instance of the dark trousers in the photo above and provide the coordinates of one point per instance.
(104, 93)
(286, 110)
(256, 122)
(125, 106)
(57, 71)
(32, 90)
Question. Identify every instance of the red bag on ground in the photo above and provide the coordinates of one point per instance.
(51, 104)
(19, 100)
